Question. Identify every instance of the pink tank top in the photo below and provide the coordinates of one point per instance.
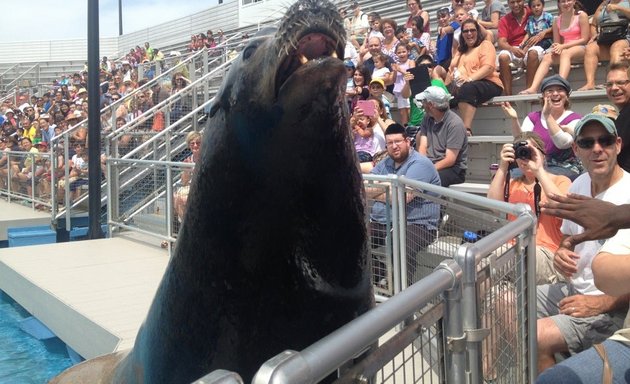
(573, 32)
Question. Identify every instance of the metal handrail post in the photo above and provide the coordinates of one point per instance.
(532, 348)
(66, 168)
(395, 235)
(454, 351)
(402, 234)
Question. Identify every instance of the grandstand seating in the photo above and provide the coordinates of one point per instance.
(490, 127)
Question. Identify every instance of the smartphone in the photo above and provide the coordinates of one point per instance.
(367, 106)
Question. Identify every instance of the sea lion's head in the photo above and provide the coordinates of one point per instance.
(287, 86)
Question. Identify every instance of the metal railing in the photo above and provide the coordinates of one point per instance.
(464, 313)
(25, 177)
(32, 69)
(189, 102)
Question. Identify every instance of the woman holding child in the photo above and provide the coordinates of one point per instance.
(571, 32)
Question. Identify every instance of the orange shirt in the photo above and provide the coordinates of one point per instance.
(548, 233)
(474, 58)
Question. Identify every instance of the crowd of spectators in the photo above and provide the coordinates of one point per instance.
(471, 59)
(206, 40)
(556, 151)
(28, 123)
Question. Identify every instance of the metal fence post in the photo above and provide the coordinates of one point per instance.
(455, 347)
(396, 231)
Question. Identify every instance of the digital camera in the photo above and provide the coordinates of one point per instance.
(522, 150)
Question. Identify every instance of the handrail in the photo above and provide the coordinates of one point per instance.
(10, 94)
(36, 66)
(7, 71)
(324, 356)
(167, 130)
(113, 106)
(150, 112)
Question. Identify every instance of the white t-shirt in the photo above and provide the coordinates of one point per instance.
(620, 245)
(618, 194)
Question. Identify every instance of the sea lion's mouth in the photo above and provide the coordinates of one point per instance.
(311, 47)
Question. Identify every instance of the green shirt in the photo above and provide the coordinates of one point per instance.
(417, 114)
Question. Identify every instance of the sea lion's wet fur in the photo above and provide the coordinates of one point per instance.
(273, 252)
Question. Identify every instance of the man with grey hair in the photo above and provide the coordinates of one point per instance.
(442, 136)
(575, 315)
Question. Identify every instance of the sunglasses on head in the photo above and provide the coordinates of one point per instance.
(589, 142)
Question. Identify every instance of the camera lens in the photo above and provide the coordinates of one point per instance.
(522, 151)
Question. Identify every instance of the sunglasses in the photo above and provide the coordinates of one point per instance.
(472, 30)
(603, 141)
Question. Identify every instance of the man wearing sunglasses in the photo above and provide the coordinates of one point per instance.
(575, 315)
(618, 92)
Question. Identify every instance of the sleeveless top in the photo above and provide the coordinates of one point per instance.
(555, 156)
(606, 16)
(573, 32)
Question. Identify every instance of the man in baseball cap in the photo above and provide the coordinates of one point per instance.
(575, 315)
(442, 136)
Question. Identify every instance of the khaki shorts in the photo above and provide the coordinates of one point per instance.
(579, 333)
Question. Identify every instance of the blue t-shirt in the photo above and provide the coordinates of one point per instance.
(417, 167)
(444, 45)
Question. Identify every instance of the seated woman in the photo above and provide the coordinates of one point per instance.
(361, 78)
(596, 52)
(532, 188)
(193, 140)
(554, 124)
(571, 32)
(472, 74)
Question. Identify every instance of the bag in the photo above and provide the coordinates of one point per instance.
(611, 31)
(158, 121)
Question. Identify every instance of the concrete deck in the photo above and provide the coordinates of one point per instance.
(93, 294)
(16, 215)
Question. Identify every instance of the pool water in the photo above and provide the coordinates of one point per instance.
(23, 358)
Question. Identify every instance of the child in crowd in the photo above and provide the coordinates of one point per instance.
(419, 41)
(538, 32)
(375, 30)
(363, 138)
(377, 91)
(404, 63)
(460, 16)
(444, 43)
(539, 28)
(469, 6)
(380, 70)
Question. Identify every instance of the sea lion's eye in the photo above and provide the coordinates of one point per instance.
(249, 51)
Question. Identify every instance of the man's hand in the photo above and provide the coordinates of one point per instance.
(592, 214)
(584, 305)
(518, 52)
(565, 262)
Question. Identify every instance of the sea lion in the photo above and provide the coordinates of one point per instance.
(272, 254)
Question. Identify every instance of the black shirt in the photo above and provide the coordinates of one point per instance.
(623, 130)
